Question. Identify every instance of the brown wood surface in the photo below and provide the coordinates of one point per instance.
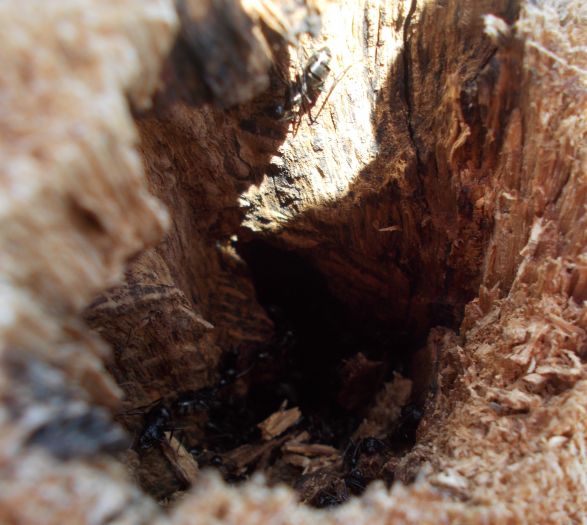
(441, 187)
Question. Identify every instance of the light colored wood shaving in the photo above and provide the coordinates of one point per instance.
(310, 449)
(278, 422)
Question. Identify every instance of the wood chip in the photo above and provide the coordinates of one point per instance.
(182, 462)
(246, 454)
(278, 422)
(311, 465)
(310, 449)
(296, 460)
(251, 452)
(302, 437)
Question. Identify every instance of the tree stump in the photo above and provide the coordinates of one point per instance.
(371, 275)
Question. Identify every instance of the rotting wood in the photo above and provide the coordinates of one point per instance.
(278, 422)
(186, 468)
(473, 146)
(310, 449)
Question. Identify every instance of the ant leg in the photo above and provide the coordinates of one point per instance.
(297, 122)
(305, 104)
(305, 56)
(141, 410)
(291, 107)
(314, 119)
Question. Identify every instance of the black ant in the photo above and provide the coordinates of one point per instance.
(307, 85)
(164, 413)
(406, 426)
(303, 93)
(368, 446)
(371, 446)
(326, 498)
(157, 422)
(355, 480)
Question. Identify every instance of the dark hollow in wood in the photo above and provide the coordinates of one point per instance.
(325, 359)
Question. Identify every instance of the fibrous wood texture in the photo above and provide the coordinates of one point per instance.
(75, 208)
(442, 184)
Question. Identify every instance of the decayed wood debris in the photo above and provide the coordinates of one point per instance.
(278, 422)
(183, 462)
(445, 175)
(310, 449)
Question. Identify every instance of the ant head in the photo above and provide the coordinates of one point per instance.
(216, 461)
(229, 376)
(146, 441)
(412, 413)
(371, 445)
(279, 111)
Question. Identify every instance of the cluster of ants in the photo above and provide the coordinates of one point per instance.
(354, 478)
(228, 421)
(166, 415)
(357, 474)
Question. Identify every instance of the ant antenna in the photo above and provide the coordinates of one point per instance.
(314, 119)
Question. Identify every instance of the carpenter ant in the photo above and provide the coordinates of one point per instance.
(368, 446)
(190, 402)
(407, 426)
(303, 93)
(325, 498)
(157, 422)
(371, 446)
(163, 415)
(355, 481)
(307, 85)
